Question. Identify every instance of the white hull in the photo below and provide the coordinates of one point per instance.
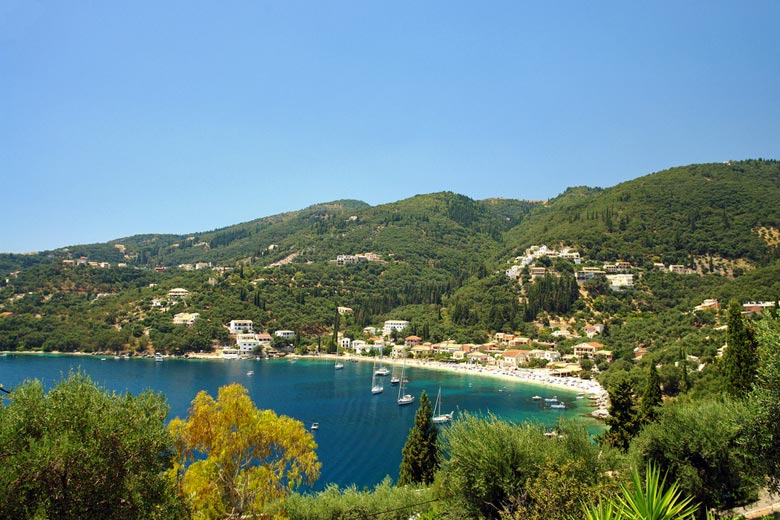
(438, 417)
(405, 399)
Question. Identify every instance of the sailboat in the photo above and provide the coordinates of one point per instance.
(376, 387)
(438, 417)
(382, 370)
(402, 397)
(394, 379)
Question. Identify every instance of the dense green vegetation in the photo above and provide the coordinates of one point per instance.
(78, 452)
(704, 209)
(440, 264)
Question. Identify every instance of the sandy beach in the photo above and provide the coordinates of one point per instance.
(537, 376)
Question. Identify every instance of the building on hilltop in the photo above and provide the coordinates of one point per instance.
(178, 294)
(391, 325)
(185, 318)
(710, 304)
(618, 282)
(286, 334)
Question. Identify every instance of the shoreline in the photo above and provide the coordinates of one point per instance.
(532, 376)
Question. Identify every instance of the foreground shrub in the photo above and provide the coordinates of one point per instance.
(384, 502)
(79, 451)
(490, 467)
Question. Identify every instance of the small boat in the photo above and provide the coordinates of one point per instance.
(376, 386)
(402, 397)
(537, 398)
(394, 379)
(338, 366)
(553, 399)
(158, 357)
(315, 426)
(580, 396)
(382, 371)
(405, 399)
(102, 359)
(559, 406)
(438, 417)
(250, 373)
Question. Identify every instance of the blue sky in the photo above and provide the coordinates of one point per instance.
(120, 118)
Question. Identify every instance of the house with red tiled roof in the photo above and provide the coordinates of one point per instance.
(513, 358)
(412, 341)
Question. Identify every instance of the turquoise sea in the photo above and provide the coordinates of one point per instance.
(360, 435)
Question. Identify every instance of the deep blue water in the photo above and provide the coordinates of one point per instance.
(360, 435)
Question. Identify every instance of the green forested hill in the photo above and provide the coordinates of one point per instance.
(705, 209)
(442, 258)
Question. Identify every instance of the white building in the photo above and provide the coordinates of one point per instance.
(247, 343)
(236, 326)
(178, 294)
(358, 345)
(391, 325)
(345, 343)
(230, 353)
(185, 318)
(286, 334)
(620, 281)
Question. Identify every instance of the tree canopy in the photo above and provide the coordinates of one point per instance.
(78, 451)
(234, 459)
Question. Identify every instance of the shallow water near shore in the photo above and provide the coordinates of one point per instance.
(360, 435)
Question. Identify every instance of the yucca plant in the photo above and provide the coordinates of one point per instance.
(604, 510)
(651, 500)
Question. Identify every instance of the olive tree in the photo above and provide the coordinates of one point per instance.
(78, 451)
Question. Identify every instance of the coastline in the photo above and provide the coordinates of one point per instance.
(531, 376)
(536, 376)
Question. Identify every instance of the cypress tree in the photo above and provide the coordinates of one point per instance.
(622, 420)
(740, 360)
(651, 397)
(420, 454)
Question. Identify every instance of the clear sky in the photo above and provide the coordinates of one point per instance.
(121, 118)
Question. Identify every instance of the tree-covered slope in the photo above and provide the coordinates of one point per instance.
(727, 210)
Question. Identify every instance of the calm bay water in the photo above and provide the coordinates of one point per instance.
(360, 435)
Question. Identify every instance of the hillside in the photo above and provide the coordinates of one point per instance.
(435, 260)
(725, 210)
